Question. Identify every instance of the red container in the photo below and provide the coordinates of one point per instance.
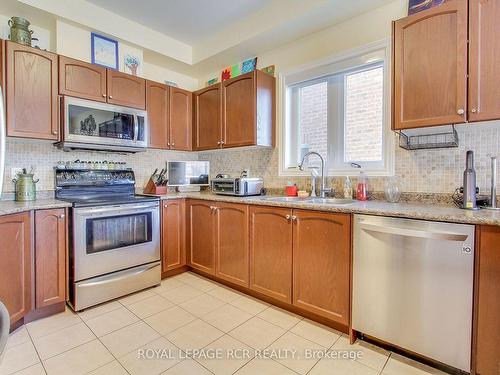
(292, 191)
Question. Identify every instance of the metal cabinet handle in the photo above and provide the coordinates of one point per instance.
(222, 142)
(294, 218)
(103, 95)
(111, 97)
(218, 142)
(54, 132)
(460, 111)
(287, 217)
(62, 216)
(473, 110)
(168, 144)
(172, 144)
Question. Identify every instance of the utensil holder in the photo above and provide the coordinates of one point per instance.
(152, 188)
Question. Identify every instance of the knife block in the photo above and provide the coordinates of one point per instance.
(152, 188)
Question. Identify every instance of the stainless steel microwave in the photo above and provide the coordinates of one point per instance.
(100, 126)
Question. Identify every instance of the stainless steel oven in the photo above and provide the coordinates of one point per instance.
(110, 238)
(94, 125)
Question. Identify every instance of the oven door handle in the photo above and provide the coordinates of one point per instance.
(118, 209)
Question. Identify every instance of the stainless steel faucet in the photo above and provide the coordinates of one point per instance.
(323, 192)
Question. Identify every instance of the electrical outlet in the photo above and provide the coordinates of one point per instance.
(14, 172)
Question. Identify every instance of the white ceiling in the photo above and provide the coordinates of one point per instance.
(205, 35)
(188, 21)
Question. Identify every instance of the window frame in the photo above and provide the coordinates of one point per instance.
(366, 56)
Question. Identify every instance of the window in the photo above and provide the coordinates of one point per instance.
(339, 110)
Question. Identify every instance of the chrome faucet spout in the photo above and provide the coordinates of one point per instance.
(323, 190)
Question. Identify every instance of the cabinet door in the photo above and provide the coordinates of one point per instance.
(321, 263)
(157, 106)
(484, 54)
(124, 89)
(487, 348)
(271, 252)
(238, 111)
(50, 257)
(31, 94)
(207, 118)
(15, 264)
(430, 67)
(201, 236)
(181, 119)
(173, 235)
(231, 243)
(81, 79)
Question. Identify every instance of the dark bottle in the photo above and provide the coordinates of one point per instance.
(469, 183)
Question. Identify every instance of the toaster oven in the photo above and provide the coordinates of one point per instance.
(240, 186)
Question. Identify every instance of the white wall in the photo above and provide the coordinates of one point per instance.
(74, 41)
(358, 31)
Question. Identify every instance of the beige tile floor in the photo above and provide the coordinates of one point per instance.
(191, 325)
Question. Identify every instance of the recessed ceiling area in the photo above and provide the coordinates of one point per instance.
(188, 21)
(207, 34)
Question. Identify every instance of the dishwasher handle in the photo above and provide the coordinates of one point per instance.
(450, 236)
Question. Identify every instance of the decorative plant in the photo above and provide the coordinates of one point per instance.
(132, 62)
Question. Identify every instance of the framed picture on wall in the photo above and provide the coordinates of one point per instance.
(104, 51)
(415, 6)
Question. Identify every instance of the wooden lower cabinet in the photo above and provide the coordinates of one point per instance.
(231, 243)
(173, 235)
(201, 236)
(16, 264)
(271, 252)
(50, 257)
(321, 263)
(487, 306)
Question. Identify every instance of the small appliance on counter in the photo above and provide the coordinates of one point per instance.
(242, 186)
(188, 175)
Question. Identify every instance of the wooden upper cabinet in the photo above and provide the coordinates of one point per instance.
(81, 79)
(31, 92)
(207, 126)
(16, 264)
(201, 236)
(157, 107)
(126, 90)
(271, 252)
(321, 263)
(180, 119)
(484, 55)
(487, 303)
(239, 111)
(430, 67)
(231, 243)
(173, 235)
(50, 257)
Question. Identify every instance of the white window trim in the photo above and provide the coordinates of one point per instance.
(284, 80)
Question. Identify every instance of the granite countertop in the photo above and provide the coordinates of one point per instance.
(407, 210)
(13, 207)
(422, 211)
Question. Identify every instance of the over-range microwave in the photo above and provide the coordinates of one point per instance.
(100, 126)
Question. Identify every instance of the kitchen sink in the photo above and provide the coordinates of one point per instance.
(310, 200)
(285, 199)
(330, 200)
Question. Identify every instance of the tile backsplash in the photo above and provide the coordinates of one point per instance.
(422, 171)
(43, 156)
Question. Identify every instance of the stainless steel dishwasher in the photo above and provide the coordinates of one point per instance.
(413, 285)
